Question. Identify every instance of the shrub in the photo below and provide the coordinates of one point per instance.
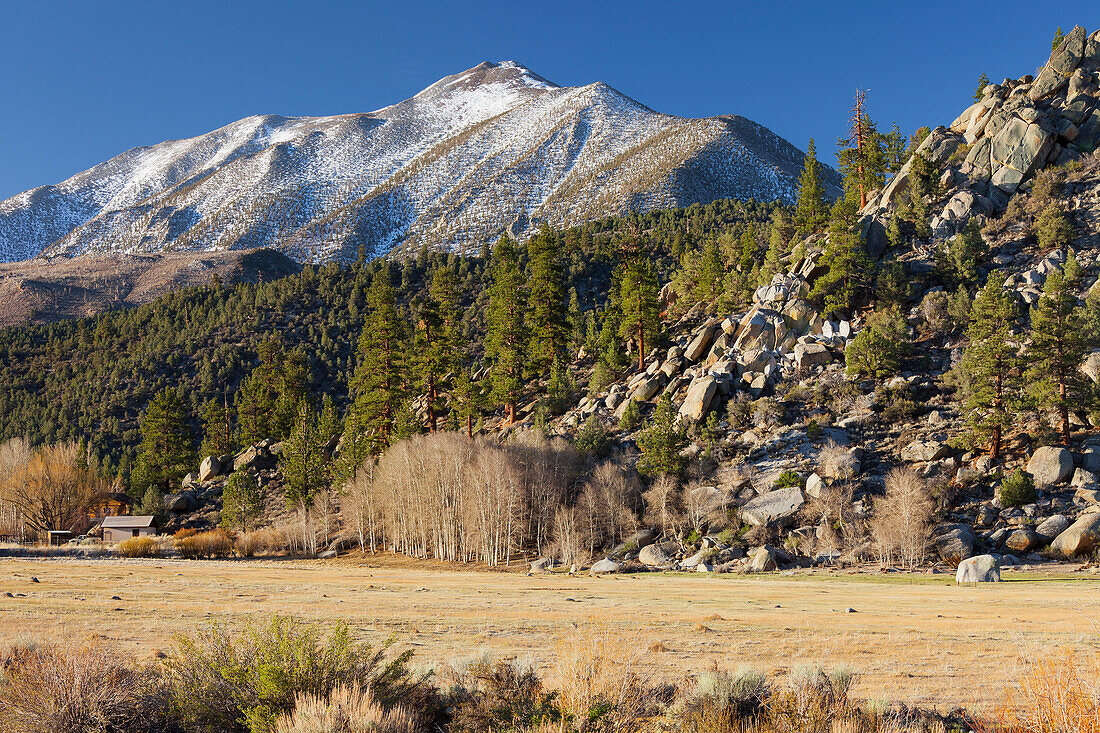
(788, 479)
(1057, 694)
(215, 543)
(934, 310)
(600, 679)
(594, 438)
(56, 689)
(504, 697)
(876, 351)
(138, 547)
(250, 544)
(347, 709)
(1052, 228)
(631, 416)
(766, 413)
(720, 701)
(223, 682)
(1017, 489)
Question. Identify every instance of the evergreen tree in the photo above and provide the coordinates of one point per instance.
(708, 284)
(662, 441)
(979, 92)
(267, 398)
(437, 341)
(990, 368)
(242, 500)
(152, 505)
(305, 462)
(638, 299)
(217, 427)
(576, 319)
(1053, 229)
(779, 236)
(379, 381)
(1057, 40)
(546, 322)
(862, 156)
(506, 338)
(471, 395)
(811, 211)
(849, 268)
(894, 151)
(166, 453)
(1059, 341)
(960, 259)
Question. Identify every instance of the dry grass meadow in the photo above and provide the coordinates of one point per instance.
(914, 639)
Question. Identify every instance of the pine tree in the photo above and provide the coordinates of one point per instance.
(437, 341)
(305, 462)
(662, 441)
(506, 339)
(638, 300)
(811, 211)
(1059, 342)
(379, 381)
(862, 155)
(894, 151)
(778, 246)
(1053, 229)
(217, 424)
(711, 272)
(166, 453)
(990, 368)
(964, 254)
(849, 268)
(267, 398)
(545, 317)
(242, 500)
(576, 318)
(471, 396)
(979, 92)
(1057, 40)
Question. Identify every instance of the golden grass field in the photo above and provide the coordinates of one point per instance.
(917, 639)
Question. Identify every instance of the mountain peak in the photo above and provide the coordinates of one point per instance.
(495, 147)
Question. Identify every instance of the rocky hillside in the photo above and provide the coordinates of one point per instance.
(794, 433)
(491, 149)
(37, 291)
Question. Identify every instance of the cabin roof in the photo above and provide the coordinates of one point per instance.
(130, 522)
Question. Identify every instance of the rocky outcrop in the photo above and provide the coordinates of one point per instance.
(999, 143)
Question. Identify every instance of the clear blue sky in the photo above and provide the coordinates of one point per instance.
(83, 81)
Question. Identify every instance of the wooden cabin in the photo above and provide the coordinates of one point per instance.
(116, 529)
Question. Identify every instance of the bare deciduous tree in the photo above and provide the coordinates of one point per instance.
(48, 486)
(902, 518)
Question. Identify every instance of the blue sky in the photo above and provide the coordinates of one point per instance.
(82, 82)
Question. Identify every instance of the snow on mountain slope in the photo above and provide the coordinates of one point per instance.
(491, 149)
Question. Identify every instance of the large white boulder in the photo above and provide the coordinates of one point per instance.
(979, 569)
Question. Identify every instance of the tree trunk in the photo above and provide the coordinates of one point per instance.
(1063, 410)
(641, 345)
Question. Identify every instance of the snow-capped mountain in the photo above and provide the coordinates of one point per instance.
(491, 149)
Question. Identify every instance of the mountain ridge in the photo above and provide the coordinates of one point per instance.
(491, 149)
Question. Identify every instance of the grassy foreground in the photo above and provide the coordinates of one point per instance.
(918, 640)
